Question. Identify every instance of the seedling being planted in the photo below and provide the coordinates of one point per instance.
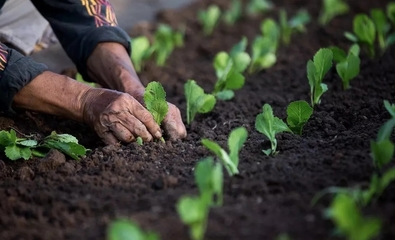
(347, 66)
(255, 7)
(383, 27)
(197, 100)
(299, 112)
(269, 125)
(316, 71)
(349, 220)
(155, 102)
(209, 179)
(124, 229)
(230, 161)
(233, 14)
(209, 19)
(331, 9)
(295, 24)
(165, 41)
(141, 50)
(229, 71)
(364, 33)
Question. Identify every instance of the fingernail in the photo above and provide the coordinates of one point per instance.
(158, 134)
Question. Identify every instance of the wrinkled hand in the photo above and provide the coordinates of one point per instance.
(117, 116)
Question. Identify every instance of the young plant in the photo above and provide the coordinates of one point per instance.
(349, 220)
(391, 12)
(229, 71)
(364, 33)
(255, 7)
(197, 100)
(295, 24)
(233, 14)
(165, 41)
(390, 107)
(209, 19)
(316, 71)
(347, 67)
(141, 50)
(263, 54)
(209, 179)
(383, 27)
(269, 125)
(382, 149)
(230, 161)
(155, 102)
(331, 9)
(193, 212)
(124, 229)
(299, 112)
(270, 28)
(339, 55)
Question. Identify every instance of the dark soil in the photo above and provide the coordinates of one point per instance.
(58, 198)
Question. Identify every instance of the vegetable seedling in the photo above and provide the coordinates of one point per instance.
(233, 14)
(197, 100)
(155, 102)
(316, 71)
(299, 112)
(382, 149)
(209, 19)
(269, 125)
(124, 229)
(139, 141)
(141, 50)
(295, 24)
(229, 71)
(348, 69)
(390, 107)
(349, 220)
(209, 179)
(263, 54)
(230, 161)
(255, 7)
(193, 212)
(271, 29)
(339, 55)
(383, 27)
(331, 9)
(165, 41)
(364, 33)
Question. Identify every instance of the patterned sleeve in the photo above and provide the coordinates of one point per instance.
(80, 25)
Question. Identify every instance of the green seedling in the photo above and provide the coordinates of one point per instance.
(331, 9)
(155, 102)
(229, 71)
(364, 33)
(383, 27)
(233, 14)
(230, 161)
(263, 54)
(209, 19)
(80, 79)
(295, 24)
(197, 100)
(139, 141)
(239, 47)
(391, 12)
(141, 50)
(255, 7)
(124, 229)
(348, 69)
(339, 55)
(382, 149)
(316, 71)
(390, 107)
(349, 220)
(165, 41)
(16, 148)
(209, 179)
(299, 112)
(269, 125)
(193, 212)
(270, 28)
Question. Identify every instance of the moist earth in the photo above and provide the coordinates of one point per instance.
(59, 198)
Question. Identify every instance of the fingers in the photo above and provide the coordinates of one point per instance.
(121, 132)
(145, 117)
(134, 125)
(173, 124)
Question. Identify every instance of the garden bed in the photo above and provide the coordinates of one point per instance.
(56, 198)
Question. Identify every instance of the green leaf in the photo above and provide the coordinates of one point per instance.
(209, 179)
(233, 13)
(65, 138)
(234, 81)
(380, 20)
(209, 19)
(351, 37)
(5, 138)
(331, 9)
(255, 7)
(222, 155)
(241, 61)
(385, 180)
(271, 29)
(140, 51)
(236, 141)
(193, 212)
(139, 141)
(197, 100)
(225, 95)
(348, 69)
(239, 47)
(298, 21)
(74, 150)
(382, 152)
(365, 29)
(386, 130)
(391, 11)
(13, 152)
(390, 108)
(27, 143)
(263, 54)
(299, 113)
(222, 64)
(124, 229)
(355, 49)
(155, 101)
(322, 62)
(339, 55)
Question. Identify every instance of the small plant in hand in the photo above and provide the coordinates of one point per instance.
(141, 50)
(230, 160)
(256, 7)
(331, 9)
(269, 125)
(23, 148)
(316, 71)
(295, 24)
(155, 102)
(234, 13)
(299, 112)
(165, 41)
(124, 229)
(229, 71)
(209, 19)
(197, 100)
(209, 179)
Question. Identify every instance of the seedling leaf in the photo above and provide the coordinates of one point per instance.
(255, 7)
(141, 50)
(197, 100)
(124, 229)
(209, 18)
(209, 179)
(390, 108)
(348, 69)
(155, 101)
(299, 113)
(193, 212)
(233, 14)
(331, 9)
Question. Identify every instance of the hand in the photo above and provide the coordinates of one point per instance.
(117, 116)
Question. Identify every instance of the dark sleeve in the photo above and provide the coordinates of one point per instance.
(16, 71)
(80, 25)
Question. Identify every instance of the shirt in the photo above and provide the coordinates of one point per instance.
(79, 26)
